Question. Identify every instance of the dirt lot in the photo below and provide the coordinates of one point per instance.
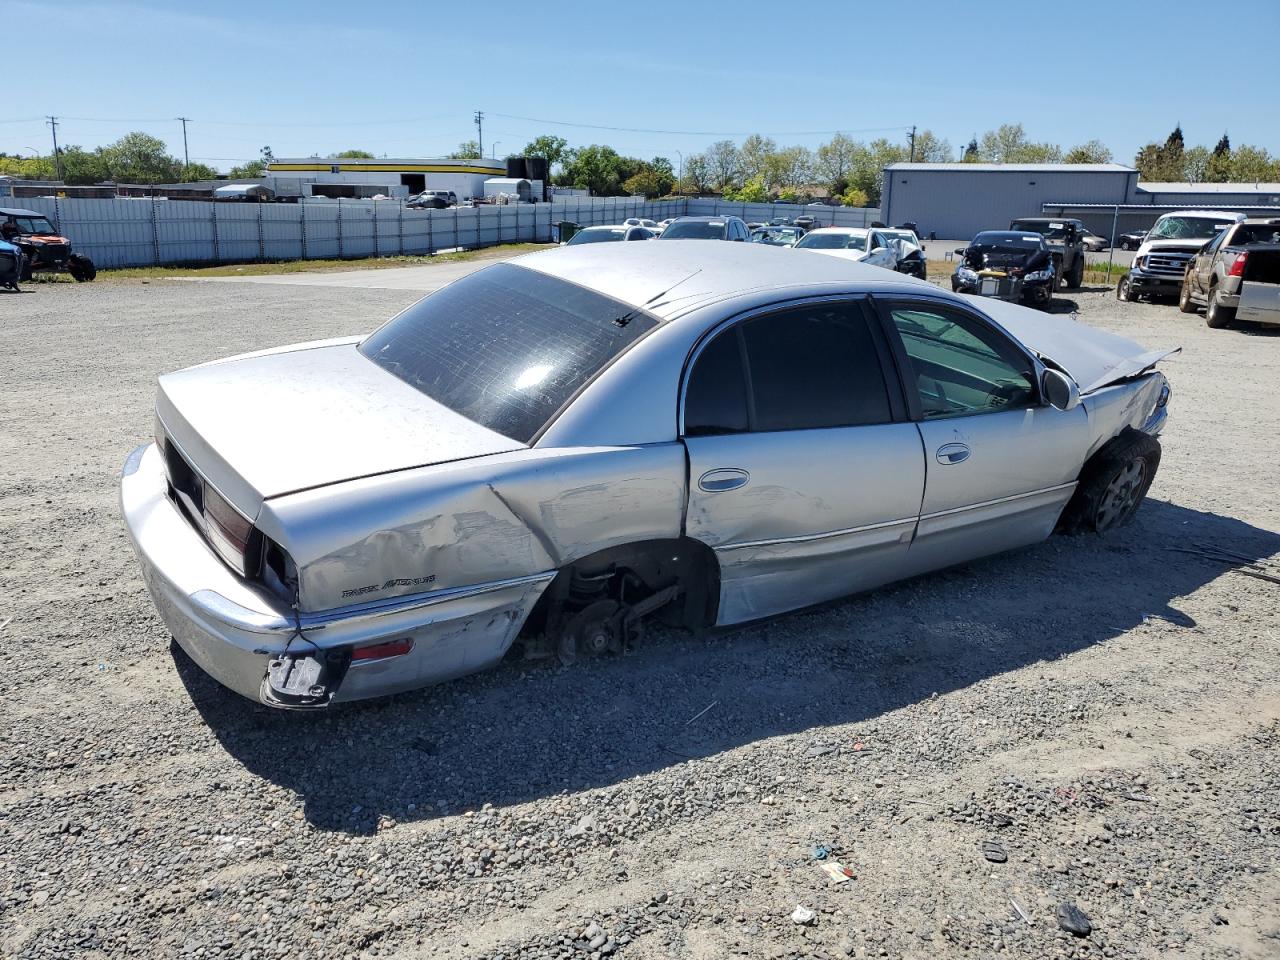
(1105, 711)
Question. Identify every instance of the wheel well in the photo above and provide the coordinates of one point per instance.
(631, 572)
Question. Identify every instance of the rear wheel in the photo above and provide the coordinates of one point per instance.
(1124, 292)
(1185, 303)
(1113, 484)
(1216, 315)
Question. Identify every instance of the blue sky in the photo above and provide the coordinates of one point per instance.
(321, 76)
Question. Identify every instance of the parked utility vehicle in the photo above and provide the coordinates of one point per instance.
(1237, 273)
(1066, 242)
(44, 248)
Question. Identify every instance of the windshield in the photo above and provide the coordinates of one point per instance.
(695, 230)
(906, 235)
(1049, 229)
(777, 238)
(506, 347)
(596, 235)
(1187, 228)
(832, 241)
(38, 225)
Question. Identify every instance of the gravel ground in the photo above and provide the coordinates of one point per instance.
(1101, 714)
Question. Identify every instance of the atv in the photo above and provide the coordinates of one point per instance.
(44, 249)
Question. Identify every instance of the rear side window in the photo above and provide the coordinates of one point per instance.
(807, 368)
(506, 347)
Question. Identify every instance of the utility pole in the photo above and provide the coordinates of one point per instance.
(57, 157)
(186, 157)
(913, 143)
(480, 130)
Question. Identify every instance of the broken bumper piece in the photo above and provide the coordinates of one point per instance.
(262, 652)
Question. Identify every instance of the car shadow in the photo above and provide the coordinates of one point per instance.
(1060, 304)
(530, 730)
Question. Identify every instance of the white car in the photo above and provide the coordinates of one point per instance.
(642, 222)
(853, 243)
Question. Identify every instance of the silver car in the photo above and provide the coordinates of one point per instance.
(554, 448)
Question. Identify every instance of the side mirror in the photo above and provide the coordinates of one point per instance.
(1060, 390)
(960, 251)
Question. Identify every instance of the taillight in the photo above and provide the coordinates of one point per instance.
(1237, 268)
(229, 531)
(382, 651)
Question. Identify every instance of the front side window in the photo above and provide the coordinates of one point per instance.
(808, 368)
(960, 365)
(506, 347)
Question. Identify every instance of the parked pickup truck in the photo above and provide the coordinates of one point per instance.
(1065, 238)
(1166, 250)
(1236, 274)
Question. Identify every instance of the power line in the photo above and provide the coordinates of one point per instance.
(697, 133)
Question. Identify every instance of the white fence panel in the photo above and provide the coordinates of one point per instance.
(141, 231)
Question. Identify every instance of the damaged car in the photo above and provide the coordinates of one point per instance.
(540, 457)
(1007, 265)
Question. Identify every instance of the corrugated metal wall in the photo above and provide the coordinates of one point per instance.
(956, 204)
(142, 231)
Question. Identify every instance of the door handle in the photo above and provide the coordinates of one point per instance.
(950, 453)
(722, 479)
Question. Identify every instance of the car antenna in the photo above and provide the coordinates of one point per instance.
(630, 315)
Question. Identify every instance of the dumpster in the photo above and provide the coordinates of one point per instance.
(565, 229)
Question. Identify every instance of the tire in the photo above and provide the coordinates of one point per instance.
(1075, 276)
(1123, 292)
(1113, 484)
(25, 272)
(82, 270)
(1185, 303)
(1218, 316)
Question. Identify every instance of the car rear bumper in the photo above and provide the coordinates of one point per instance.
(232, 631)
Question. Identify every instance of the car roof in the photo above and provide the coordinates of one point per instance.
(1007, 235)
(847, 231)
(1045, 220)
(19, 212)
(672, 278)
(707, 219)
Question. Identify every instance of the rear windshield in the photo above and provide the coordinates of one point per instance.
(832, 241)
(1051, 229)
(506, 347)
(596, 236)
(1256, 233)
(695, 230)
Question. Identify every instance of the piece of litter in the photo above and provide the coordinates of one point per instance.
(994, 852)
(1017, 908)
(820, 852)
(803, 916)
(836, 872)
(701, 712)
(6, 622)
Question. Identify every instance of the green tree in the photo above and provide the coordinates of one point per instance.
(754, 156)
(28, 168)
(467, 150)
(555, 150)
(696, 178)
(139, 158)
(353, 155)
(853, 197)
(930, 148)
(1009, 144)
(601, 169)
(753, 191)
(790, 167)
(722, 164)
(1195, 164)
(1253, 165)
(81, 167)
(197, 171)
(833, 163)
(971, 152)
(654, 179)
(868, 166)
(247, 171)
(1095, 151)
(1218, 170)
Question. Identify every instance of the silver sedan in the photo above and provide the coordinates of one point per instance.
(541, 455)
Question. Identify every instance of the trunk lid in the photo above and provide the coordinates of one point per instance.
(267, 424)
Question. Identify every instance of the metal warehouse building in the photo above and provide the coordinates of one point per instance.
(956, 200)
(318, 177)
